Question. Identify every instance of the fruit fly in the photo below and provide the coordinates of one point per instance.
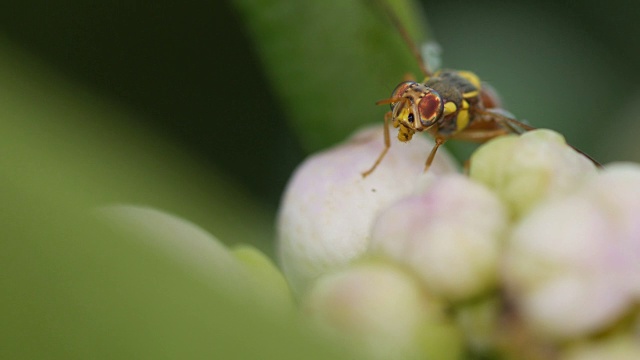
(448, 104)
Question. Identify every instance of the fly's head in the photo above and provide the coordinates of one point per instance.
(414, 108)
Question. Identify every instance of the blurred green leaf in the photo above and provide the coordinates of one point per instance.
(73, 288)
(62, 144)
(330, 61)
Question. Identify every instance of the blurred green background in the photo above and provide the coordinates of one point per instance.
(190, 74)
(204, 109)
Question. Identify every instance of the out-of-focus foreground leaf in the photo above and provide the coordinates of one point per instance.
(329, 61)
(60, 143)
(73, 288)
(78, 291)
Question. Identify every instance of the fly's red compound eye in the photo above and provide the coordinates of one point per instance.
(400, 90)
(430, 108)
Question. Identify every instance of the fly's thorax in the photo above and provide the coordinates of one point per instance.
(454, 86)
(460, 91)
(465, 82)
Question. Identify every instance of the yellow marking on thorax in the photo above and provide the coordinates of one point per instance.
(462, 121)
(449, 108)
(470, 94)
(473, 78)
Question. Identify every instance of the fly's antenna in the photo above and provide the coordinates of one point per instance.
(393, 17)
(388, 101)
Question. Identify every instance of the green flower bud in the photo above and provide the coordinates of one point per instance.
(527, 169)
(623, 347)
(383, 312)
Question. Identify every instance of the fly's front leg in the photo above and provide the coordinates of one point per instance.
(439, 141)
(387, 144)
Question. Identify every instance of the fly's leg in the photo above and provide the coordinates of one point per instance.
(439, 141)
(512, 125)
(408, 77)
(480, 135)
(387, 145)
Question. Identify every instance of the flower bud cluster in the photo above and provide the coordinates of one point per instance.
(536, 247)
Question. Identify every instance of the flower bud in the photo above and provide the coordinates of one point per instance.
(328, 207)
(383, 312)
(572, 263)
(526, 169)
(619, 347)
(450, 236)
(617, 192)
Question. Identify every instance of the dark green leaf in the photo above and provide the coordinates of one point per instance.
(330, 61)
